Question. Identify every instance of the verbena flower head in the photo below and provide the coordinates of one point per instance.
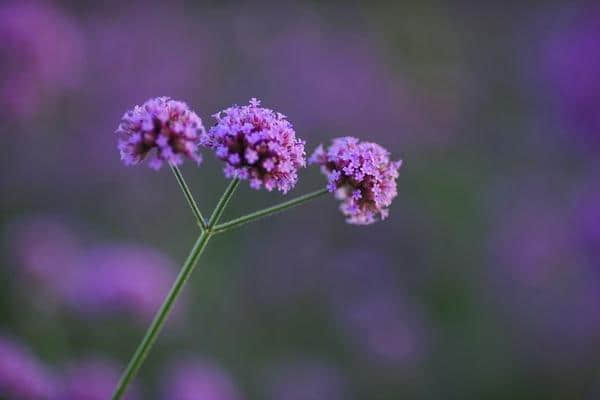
(258, 144)
(168, 126)
(361, 175)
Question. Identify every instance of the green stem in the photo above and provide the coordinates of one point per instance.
(188, 195)
(161, 316)
(268, 211)
(216, 215)
(159, 320)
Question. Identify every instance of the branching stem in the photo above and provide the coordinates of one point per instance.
(208, 230)
(186, 270)
(234, 223)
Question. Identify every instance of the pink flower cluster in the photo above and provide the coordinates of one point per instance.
(257, 144)
(260, 145)
(361, 175)
(163, 124)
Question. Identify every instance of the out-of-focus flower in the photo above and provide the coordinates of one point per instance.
(384, 327)
(22, 377)
(257, 144)
(163, 124)
(534, 245)
(361, 175)
(303, 380)
(383, 330)
(130, 279)
(571, 62)
(40, 54)
(198, 380)
(92, 379)
(94, 281)
(553, 298)
(189, 62)
(46, 251)
(188, 68)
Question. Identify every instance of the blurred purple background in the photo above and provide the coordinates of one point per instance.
(483, 282)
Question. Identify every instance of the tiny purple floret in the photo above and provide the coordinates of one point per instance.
(169, 126)
(258, 145)
(361, 175)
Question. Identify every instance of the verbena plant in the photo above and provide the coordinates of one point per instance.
(258, 145)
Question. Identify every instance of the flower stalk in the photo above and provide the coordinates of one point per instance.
(165, 309)
(220, 208)
(208, 230)
(188, 196)
(234, 223)
(258, 145)
(161, 316)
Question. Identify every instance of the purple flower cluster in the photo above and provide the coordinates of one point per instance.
(260, 145)
(99, 280)
(122, 278)
(168, 126)
(46, 251)
(21, 375)
(571, 62)
(537, 253)
(40, 55)
(92, 379)
(193, 379)
(257, 144)
(24, 377)
(362, 176)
